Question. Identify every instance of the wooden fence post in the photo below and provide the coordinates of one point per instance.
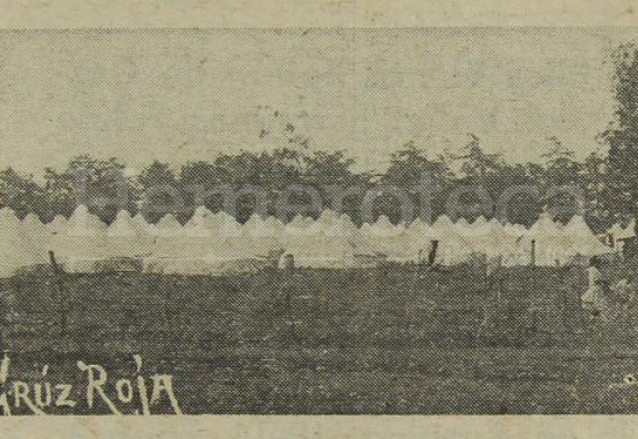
(434, 246)
(62, 299)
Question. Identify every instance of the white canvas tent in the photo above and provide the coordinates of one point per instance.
(209, 244)
(214, 243)
(203, 223)
(581, 238)
(515, 230)
(462, 223)
(38, 235)
(17, 250)
(300, 225)
(178, 249)
(490, 239)
(452, 248)
(128, 238)
(274, 224)
(481, 221)
(544, 244)
(171, 253)
(224, 224)
(401, 244)
(256, 226)
(234, 248)
(463, 227)
(417, 240)
(258, 238)
(140, 222)
(383, 227)
(330, 242)
(387, 239)
(80, 244)
(58, 224)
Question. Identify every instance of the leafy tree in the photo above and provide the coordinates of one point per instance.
(102, 185)
(331, 174)
(476, 163)
(596, 185)
(22, 194)
(248, 175)
(482, 170)
(161, 192)
(561, 171)
(426, 180)
(198, 180)
(560, 166)
(622, 136)
(524, 205)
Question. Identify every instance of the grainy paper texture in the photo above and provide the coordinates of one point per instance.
(243, 212)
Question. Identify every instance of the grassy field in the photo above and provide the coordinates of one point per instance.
(386, 340)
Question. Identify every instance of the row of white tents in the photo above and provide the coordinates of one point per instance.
(214, 243)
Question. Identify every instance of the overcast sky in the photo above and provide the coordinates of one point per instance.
(177, 96)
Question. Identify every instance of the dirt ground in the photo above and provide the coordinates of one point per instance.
(394, 339)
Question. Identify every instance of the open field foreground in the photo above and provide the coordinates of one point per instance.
(394, 339)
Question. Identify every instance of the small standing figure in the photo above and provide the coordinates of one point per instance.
(604, 302)
(593, 286)
(624, 299)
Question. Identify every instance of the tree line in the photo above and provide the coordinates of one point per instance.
(607, 182)
(160, 189)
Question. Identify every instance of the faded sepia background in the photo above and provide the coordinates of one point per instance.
(178, 96)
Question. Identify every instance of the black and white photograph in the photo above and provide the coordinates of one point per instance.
(319, 221)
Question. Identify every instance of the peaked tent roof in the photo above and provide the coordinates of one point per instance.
(83, 222)
(38, 234)
(418, 226)
(200, 216)
(581, 238)
(122, 225)
(480, 221)
(381, 228)
(515, 230)
(169, 237)
(462, 222)
(442, 222)
(384, 238)
(490, 239)
(299, 226)
(8, 215)
(453, 248)
(224, 224)
(258, 227)
(548, 241)
(33, 221)
(327, 217)
(32, 225)
(58, 224)
(16, 249)
(82, 242)
(142, 224)
(168, 225)
(545, 226)
(127, 237)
